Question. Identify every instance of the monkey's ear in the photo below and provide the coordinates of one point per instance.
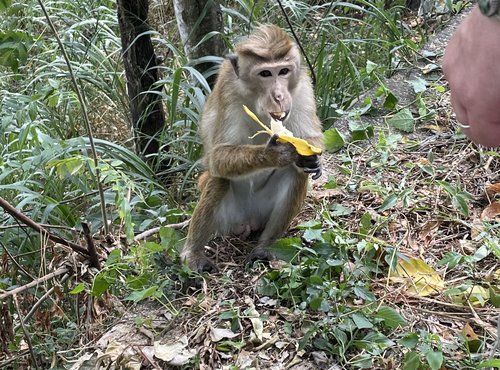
(233, 58)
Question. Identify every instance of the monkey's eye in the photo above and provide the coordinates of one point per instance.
(284, 71)
(265, 73)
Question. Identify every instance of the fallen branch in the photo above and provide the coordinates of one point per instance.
(60, 271)
(155, 230)
(29, 222)
(93, 257)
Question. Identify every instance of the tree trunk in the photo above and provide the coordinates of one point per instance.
(195, 19)
(140, 70)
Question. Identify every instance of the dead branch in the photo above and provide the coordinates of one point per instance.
(94, 259)
(29, 222)
(155, 230)
(61, 270)
(27, 337)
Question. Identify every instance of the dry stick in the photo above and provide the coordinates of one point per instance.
(94, 259)
(154, 230)
(40, 301)
(29, 222)
(85, 118)
(26, 334)
(59, 271)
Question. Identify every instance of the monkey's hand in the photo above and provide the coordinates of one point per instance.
(310, 164)
(281, 154)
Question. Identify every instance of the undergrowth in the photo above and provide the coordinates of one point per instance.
(337, 295)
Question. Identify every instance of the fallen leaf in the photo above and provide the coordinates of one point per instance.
(169, 351)
(490, 212)
(476, 295)
(421, 279)
(429, 229)
(217, 334)
(258, 326)
(472, 340)
(493, 189)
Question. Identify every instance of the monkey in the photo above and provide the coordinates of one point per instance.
(253, 183)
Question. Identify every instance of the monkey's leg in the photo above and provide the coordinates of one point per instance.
(203, 225)
(288, 203)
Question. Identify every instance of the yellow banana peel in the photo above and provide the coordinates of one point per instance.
(284, 135)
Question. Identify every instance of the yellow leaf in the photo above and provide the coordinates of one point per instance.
(302, 146)
(476, 295)
(472, 340)
(421, 279)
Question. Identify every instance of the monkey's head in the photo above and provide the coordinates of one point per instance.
(268, 65)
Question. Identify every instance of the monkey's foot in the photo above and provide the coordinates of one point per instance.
(259, 254)
(200, 264)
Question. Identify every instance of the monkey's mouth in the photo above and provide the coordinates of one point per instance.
(279, 116)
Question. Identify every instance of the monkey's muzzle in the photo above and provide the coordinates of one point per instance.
(279, 116)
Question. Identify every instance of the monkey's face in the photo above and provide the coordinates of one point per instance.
(272, 84)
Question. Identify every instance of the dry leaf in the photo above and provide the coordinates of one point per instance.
(429, 229)
(174, 353)
(421, 279)
(217, 334)
(490, 212)
(472, 340)
(476, 295)
(493, 189)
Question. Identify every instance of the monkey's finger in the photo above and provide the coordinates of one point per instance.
(316, 170)
(317, 175)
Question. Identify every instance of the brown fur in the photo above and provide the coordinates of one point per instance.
(251, 185)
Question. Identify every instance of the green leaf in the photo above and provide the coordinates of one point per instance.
(490, 363)
(334, 140)
(434, 359)
(286, 249)
(390, 317)
(4, 4)
(361, 321)
(338, 209)
(419, 85)
(365, 223)
(412, 361)
(403, 120)
(370, 66)
(153, 247)
(142, 294)
(410, 340)
(390, 101)
(452, 259)
(100, 285)
(313, 234)
(77, 289)
(388, 203)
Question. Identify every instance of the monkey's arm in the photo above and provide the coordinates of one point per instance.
(230, 161)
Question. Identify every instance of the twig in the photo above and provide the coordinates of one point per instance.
(85, 118)
(59, 271)
(155, 230)
(26, 335)
(29, 222)
(21, 268)
(41, 300)
(93, 257)
(311, 69)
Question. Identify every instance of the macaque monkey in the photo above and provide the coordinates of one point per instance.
(254, 183)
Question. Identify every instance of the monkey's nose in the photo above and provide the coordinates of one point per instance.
(278, 97)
